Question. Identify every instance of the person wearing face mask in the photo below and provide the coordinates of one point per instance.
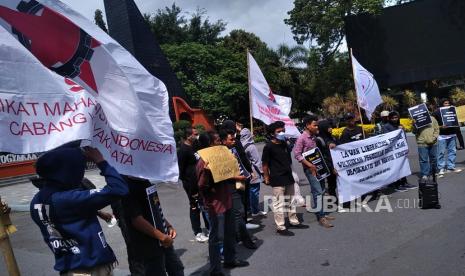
(277, 169)
(306, 142)
(187, 174)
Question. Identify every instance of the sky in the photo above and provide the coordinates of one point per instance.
(261, 17)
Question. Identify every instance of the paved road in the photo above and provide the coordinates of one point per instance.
(408, 241)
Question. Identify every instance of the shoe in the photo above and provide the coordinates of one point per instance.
(424, 178)
(364, 205)
(236, 263)
(252, 226)
(216, 274)
(342, 210)
(409, 186)
(250, 244)
(249, 219)
(285, 232)
(325, 223)
(200, 237)
(330, 217)
(401, 189)
(298, 226)
(456, 170)
(441, 172)
(260, 213)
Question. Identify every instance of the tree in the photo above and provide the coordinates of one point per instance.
(291, 56)
(98, 20)
(458, 96)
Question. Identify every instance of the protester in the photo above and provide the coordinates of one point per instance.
(446, 144)
(393, 124)
(218, 200)
(67, 214)
(149, 231)
(304, 143)
(351, 132)
(427, 138)
(186, 163)
(277, 168)
(384, 116)
(325, 142)
(257, 175)
(228, 140)
(231, 126)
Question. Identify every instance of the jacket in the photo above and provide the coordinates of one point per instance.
(428, 136)
(66, 213)
(252, 154)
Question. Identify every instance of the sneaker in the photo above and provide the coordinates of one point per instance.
(200, 237)
(441, 172)
(260, 213)
(364, 205)
(252, 226)
(409, 186)
(299, 226)
(456, 170)
(401, 189)
(285, 232)
(342, 210)
(236, 263)
(424, 178)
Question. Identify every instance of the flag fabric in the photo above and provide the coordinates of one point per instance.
(264, 105)
(130, 121)
(366, 87)
(285, 103)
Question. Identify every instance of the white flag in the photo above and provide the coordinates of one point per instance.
(130, 124)
(265, 107)
(366, 87)
(285, 103)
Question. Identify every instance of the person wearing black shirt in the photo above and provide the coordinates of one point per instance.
(150, 233)
(325, 141)
(277, 169)
(352, 132)
(187, 161)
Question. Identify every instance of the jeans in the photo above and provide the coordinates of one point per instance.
(238, 211)
(195, 208)
(254, 195)
(317, 193)
(166, 264)
(222, 233)
(428, 159)
(449, 146)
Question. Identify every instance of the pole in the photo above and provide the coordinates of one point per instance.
(356, 93)
(5, 245)
(250, 93)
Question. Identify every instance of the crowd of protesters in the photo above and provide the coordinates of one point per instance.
(67, 206)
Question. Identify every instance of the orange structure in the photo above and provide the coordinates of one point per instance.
(194, 115)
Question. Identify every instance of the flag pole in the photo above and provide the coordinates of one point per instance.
(356, 93)
(250, 93)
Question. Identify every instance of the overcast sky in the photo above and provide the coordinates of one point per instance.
(261, 17)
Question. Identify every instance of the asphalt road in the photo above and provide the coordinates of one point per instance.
(407, 241)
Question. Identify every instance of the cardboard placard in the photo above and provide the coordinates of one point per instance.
(460, 113)
(421, 115)
(449, 116)
(315, 157)
(221, 162)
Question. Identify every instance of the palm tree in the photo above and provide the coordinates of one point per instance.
(292, 56)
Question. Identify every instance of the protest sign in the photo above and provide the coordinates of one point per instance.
(449, 116)
(460, 113)
(315, 157)
(105, 95)
(366, 165)
(158, 220)
(421, 115)
(221, 162)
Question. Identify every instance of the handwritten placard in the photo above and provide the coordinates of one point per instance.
(221, 162)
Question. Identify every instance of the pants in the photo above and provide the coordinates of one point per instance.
(166, 264)
(449, 146)
(222, 233)
(101, 270)
(254, 197)
(317, 193)
(238, 211)
(332, 185)
(428, 159)
(195, 208)
(279, 197)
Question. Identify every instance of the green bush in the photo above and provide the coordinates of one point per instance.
(179, 128)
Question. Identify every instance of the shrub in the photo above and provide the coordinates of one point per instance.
(369, 129)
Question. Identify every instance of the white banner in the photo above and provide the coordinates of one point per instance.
(366, 165)
(366, 87)
(130, 121)
(265, 107)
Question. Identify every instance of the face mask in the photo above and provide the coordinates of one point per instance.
(281, 136)
(196, 137)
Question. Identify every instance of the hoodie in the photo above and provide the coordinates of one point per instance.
(252, 154)
(67, 214)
